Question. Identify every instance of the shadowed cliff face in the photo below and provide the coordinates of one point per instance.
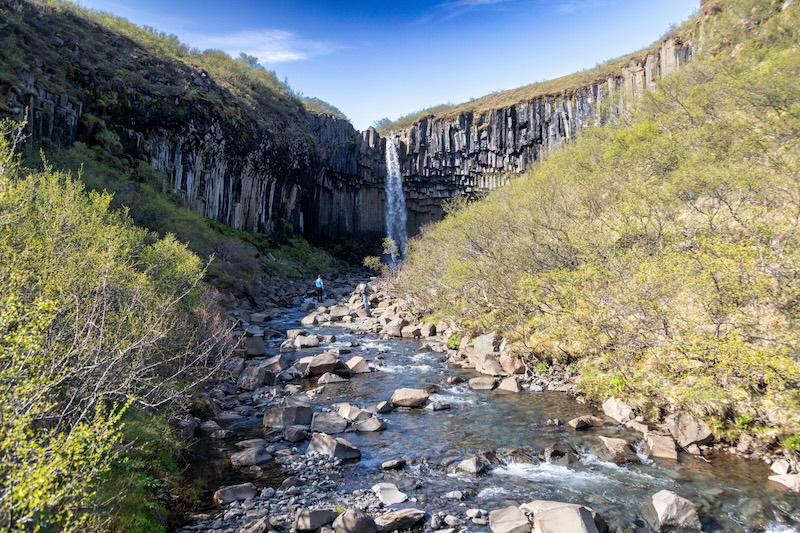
(276, 168)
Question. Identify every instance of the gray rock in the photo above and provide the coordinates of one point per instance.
(255, 456)
(355, 521)
(313, 519)
(383, 408)
(473, 465)
(618, 410)
(295, 433)
(482, 383)
(276, 363)
(508, 385)
(370, 425)
(790, 481)
(688, 429)
(255, 377)
(666, 511)
(399, 520)
(281, 417)
(488, 343)
(662, 446)
(322, 364)
(388, 493)
(508, 520)
(576, 519)
(254, 346)
(353, 413)
(306, 341)
(616, 450)
(251, 443)
(329, 378)
(338, 448)
(329, 423)
(781, 467)
(587, 422)
(536, 507)
(393, 464)
(232, 493)
(437, 405)
(408, 398)
(358, 365)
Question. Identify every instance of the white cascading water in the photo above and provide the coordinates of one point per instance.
(395, 201)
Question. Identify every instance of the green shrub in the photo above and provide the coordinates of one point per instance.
(792, 443)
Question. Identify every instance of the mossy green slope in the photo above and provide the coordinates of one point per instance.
(660, 254)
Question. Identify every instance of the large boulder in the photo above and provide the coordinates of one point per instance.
(232, 493)
(482, 383)
(355, 521)
(358, 365)
(487, 364)
(353, 413)
(473, 465)
(408, 398)
(790, 481)
(388, 493)
(666, 511)
(329, 423)
(338, 312)
(276, 363)
(399, 520)
(576, 519)
(508, 385)
(254, 346)
(281, 417)
(536, 507)
(512, 365)
(588, 421)
(255, 377)
(662, 446)
(508, 520)
(411, 332)
(337, 448)
(616, 450)
(322, 364)
(618, 410)
(485, 344)
(313, 519)
(370, 425)
(254, 456)
(306, 341)
(295, 433)
(688, 429)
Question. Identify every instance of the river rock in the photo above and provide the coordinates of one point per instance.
(256, 526)
(355, 521)
(322, 364)
(508, 385)
(540, 506)
(437, 405)
(560, 454)
(329, 423)
(358, 365)
(588, 421)
(790, 481)
(251, 443)
(576, 519)
(662, 446)
(297, 400)
(616, 450)
(408, 398)
(473, 465)
(666, 511)
(487, 364)
(388, 493)
(313, 519)
(399, 520)
(276, 363)
(781, 467)
(306, 341)
(393, 464)
(256, 455)
(370, 425)
(280, 417)
(411, 332)
(351, 412)
(688, 429)
(338, 448)
(338, 312)
(482, 383)
(255, 377)
(508, 520)
(294, 333)
(209, 426)
(427, 330)
(310, 320)
(485, 344)
(328, 378)
(512, 365)
(383, 408)
(254, 346)
(295, 433)
(232, 493)
(618, 410)
(222, 434)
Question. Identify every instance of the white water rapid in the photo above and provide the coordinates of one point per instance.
(395, 201)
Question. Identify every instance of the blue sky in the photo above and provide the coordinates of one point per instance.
(378, 58)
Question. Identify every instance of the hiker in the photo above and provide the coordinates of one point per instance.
(320, 287)
(362, 290)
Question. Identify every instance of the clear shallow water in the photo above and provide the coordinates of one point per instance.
(731, 494)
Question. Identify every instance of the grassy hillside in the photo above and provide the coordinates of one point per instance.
(660, 257)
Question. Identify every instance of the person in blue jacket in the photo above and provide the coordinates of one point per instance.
(320, 287)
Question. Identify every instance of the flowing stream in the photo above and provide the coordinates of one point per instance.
(395, 200)
(731, 494)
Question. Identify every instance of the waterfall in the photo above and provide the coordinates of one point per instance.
(395, 201)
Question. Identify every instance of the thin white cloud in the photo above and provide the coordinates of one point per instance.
(454, 8)
(573, 6)
(270, 46)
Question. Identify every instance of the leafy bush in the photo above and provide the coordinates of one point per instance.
(96, 315)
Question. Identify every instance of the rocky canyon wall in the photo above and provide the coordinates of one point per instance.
(474, 152)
